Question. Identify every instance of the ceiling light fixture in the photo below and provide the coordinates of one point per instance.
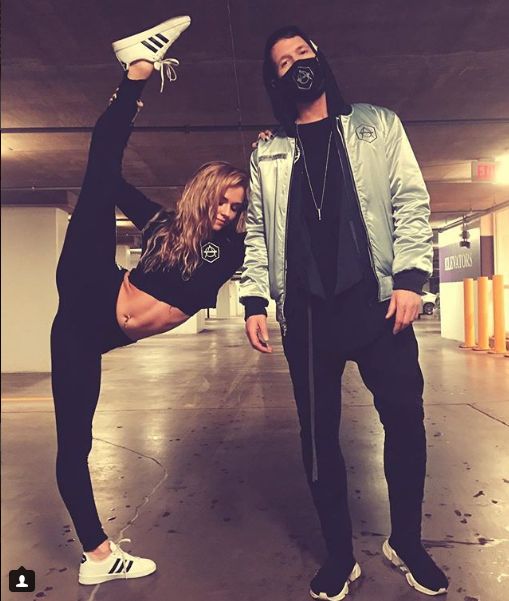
(465, 235)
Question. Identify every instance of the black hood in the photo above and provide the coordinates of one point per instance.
(285, 111)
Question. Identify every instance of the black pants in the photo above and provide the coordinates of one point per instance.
(321, 337)
(85, 326)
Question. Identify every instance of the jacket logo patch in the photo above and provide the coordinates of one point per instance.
(210, 252)
(366, 133)
(303, 77)
(272, 157)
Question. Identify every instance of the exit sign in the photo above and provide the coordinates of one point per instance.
(483, 171)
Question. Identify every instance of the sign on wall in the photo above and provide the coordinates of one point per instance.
(458, 263)
(483, 170)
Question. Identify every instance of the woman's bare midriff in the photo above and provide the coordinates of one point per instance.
(140, 315)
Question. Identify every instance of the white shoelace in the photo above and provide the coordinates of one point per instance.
(122, 553)
(167, 66)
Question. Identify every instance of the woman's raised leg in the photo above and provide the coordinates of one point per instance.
(90, 243)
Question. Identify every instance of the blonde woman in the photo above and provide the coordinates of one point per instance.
(187, 256)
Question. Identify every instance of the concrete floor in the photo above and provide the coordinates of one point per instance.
(197, 459)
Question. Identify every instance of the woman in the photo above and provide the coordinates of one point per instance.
(186, 258)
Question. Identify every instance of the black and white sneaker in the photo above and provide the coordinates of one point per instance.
(151, 45)
(420, 570)
(118, 565)
(332, 580)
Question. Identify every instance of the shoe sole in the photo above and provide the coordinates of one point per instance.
(397, 562)
(175, 23)
(355, 573)
(88, 580)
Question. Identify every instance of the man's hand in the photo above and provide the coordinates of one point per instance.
(263, 135)
(407, 306)
(258, 333)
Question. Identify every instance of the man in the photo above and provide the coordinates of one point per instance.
(338, 234)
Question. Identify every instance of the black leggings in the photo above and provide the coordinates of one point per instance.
(88, 282)
(389, 367)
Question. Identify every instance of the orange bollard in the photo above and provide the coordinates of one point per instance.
(483, 340)
(499, 314)
(468, 313)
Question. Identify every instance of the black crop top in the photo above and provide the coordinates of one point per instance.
(221, 257)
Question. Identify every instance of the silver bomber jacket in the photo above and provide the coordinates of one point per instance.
(392, 196)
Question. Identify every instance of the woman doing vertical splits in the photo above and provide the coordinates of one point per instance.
(186, 257)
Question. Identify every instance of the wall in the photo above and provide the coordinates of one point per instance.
(32, 239)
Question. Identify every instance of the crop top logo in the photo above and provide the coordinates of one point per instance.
(210, 252)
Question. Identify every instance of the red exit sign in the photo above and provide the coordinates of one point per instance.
(483, 171)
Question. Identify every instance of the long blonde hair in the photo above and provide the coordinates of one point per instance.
(179, 242)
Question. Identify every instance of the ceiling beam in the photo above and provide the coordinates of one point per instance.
(235, 127)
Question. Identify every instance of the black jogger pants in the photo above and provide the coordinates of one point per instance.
(389, 367)
(85, 326)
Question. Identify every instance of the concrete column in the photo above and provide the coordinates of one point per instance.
(240, 307)
(501, 243)
(32, 239)
(227, 301)
(194, 325)
(451, 292)
(134, 258)
(487, 247)
(123, 256)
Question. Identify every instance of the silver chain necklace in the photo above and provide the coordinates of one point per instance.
(318, 208)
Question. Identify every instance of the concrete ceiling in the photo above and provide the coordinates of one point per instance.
(441, 64)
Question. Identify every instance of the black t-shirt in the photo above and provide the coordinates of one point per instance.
(221, 256)
(324, 233)
(356, 308)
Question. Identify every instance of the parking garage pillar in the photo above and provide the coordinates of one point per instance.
(194, 325)
(227, 301)
(123, 255)
(32, 239)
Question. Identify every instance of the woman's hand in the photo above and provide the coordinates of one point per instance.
(258, 333)
(263, 135)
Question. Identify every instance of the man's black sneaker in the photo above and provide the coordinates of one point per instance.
(332, 580)
(420, 570)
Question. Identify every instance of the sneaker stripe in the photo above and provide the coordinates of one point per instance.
(156, 42)
(120, 567)
(129, 566)
(163, 38)
(115, 565)
(149, 46)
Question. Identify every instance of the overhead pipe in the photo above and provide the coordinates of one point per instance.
(233, 127)
(473, 216)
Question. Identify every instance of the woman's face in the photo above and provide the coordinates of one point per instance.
(229, 207)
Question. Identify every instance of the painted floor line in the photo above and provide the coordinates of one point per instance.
(500, 421)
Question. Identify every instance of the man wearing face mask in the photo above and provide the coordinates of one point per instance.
(338, 234)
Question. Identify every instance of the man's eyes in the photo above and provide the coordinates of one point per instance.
(283, 63)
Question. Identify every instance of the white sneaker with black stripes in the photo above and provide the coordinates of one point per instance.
(118, 565)
(151, 45)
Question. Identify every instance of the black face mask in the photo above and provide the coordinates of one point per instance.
(304, 81)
